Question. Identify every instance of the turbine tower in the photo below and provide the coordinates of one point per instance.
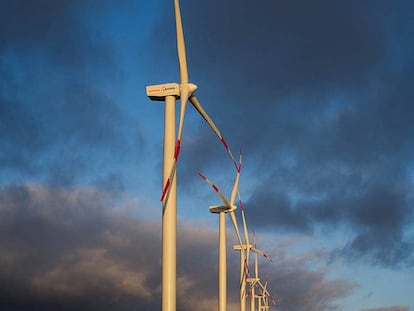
(170, 92)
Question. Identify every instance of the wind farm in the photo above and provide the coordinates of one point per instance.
(109, 109)
(169, 92)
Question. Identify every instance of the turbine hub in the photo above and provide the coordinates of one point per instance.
(190, 88)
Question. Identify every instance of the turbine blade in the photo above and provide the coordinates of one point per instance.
(235, 188)
(245, 273)
(246, 232)
(246, 266)
(267, 280)
(180, 44)
(263, 288)
(236, 227)
(184, 100)
(259, 252)
(184, 94)
(236, 183)
(243, 284)
(184, 97)
(220, 194)
(197, 105)
(256, 266)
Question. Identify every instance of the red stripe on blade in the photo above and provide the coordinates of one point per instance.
(202, 176)
(241, 205)
(177, 149)
(215, 188)
(224, 143)
(164, 191)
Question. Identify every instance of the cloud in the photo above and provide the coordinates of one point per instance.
(396, 308)
(299, 287)
(379, 214)
(76, 249)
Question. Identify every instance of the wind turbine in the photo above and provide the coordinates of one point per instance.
(244, 258)
(263, 297)
(228, 207)
(169, 92)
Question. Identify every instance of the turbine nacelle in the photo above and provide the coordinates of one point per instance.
(243, 247)
(217, 209)
(158, 92)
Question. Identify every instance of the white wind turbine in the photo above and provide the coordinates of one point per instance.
(244, 259)
(263, 297)
(169, 92)
(222, 210)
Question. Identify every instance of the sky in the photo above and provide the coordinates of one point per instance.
(318, 95)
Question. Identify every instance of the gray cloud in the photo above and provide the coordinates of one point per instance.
(73, 249)
(395, 308)
(379, 214)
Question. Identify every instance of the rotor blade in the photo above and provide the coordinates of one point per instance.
(184, 94)
(236, 227)
(246, 271)
(246, 267)
(185, 91)
(180, 44)
(251, 288)
(267, 291)
(246, 233)
(235, 188)
(167, 186)
(197, 105)
(243, 285)
(256, 266)
(236, 182)
(259, 252)
(264, 288)
(220, 194)
(227, 203)
(184, 100)
(267, 280)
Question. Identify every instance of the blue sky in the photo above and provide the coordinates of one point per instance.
(318, 96)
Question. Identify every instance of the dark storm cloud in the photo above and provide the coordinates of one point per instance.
(378, 213)
(64, 249)
(287, 45)
(71, 249)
